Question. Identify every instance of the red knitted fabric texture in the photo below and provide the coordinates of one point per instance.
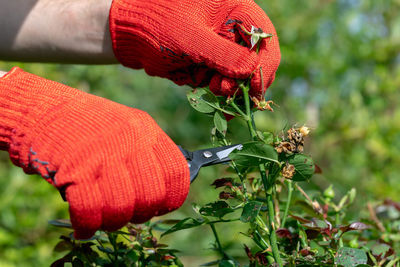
(113, 162)
(195, 42)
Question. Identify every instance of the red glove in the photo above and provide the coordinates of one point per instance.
(195, 42)
(113, 162)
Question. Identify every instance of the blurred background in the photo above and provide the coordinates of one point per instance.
(340, 75)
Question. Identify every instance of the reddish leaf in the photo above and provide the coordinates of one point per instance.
(248, 253)
(312, 234)
(300, 219)
(305, 252)
(390, 202)
(226, 195)
(329, 231)
(222, 182)
(317, 169)
(284, 233)
(168, 257)
(262, 259)
(325, 210)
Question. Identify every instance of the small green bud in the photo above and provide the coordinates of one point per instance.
(354, 243)
(329, 193)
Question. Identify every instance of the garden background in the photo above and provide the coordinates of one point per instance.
(340, 75)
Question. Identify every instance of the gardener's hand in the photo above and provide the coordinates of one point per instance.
(195, 42)
(188, 41)
(112, 162)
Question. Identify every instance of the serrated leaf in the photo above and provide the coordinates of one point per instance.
(199, 100)
(303, 165)
(250, 211)
(253, 154)
(220, 122)
(350, 257)
(185, 224)
(216, 209)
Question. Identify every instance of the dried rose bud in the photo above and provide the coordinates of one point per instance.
(304, 130)
(288, 171)
(286, 147)
(295, 136)
(263, 104)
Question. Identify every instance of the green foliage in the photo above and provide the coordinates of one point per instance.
(340, 74)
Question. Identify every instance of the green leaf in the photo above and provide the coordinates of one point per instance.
(380, 249)
(105, 250)
(350, 257)
(268, 138)
(216, 209)
(133, 255)
(199, 100)
(303, 165)
(254, 153)
(211, 263)
(250, 211)
(220, 122)
(226, 263)
(61, 223)
(185, 224)
(63, 246)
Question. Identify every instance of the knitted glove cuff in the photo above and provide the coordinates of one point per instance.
(24, 99)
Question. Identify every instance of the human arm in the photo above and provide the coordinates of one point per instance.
(112, 163)
(187, 41)
(66, 31)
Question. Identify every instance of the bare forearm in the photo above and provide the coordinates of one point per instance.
(69, 31)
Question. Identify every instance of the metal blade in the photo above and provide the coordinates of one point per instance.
(225, 153)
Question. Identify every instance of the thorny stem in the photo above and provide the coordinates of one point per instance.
(268, 192)
(233, 104)
(289, 199)
(337, 222)
(220, 249)
(241, 177)
(101, 244)
(245, 90)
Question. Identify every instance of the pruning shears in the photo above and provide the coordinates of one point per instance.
(206, 157)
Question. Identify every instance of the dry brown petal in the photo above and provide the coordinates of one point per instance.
(295, 136)
(304, 130)
(288, 171)
(286, 147)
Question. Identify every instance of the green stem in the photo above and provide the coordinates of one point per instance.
(241, 177)
(268, 185)
(273, 239)
(220, 249)
(238, 110)
(337, 222)
(248, 111)
(289, 199)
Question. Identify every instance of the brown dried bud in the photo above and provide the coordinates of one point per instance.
(286, 147)
(288, 171)
(295, 136)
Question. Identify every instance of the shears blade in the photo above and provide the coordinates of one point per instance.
(207, 157)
